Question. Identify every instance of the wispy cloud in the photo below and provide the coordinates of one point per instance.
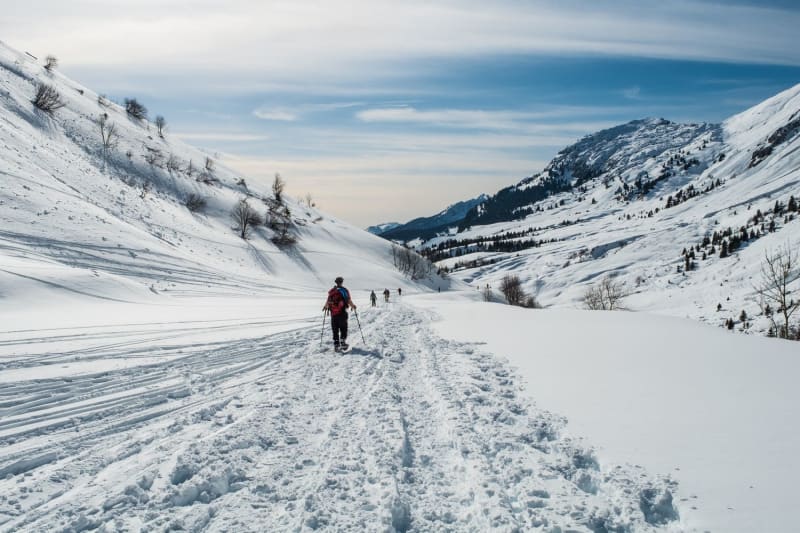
(220, 136)
(313, 41)
(450, 117)
(632, 93)
(532, 122)
(281, 115)
(294, 113)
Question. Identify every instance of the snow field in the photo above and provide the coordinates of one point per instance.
(408, 433)
(712, 409)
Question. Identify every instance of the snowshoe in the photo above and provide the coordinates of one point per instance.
(345, 347)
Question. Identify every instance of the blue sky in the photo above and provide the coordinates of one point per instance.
(387, 111)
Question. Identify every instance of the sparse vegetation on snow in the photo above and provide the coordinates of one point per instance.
(135, 109)
(47, 98)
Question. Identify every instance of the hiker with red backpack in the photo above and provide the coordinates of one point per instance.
(337, 304)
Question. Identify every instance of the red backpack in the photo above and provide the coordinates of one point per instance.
(337, 300)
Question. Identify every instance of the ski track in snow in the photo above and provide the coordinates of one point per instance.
(409, 433)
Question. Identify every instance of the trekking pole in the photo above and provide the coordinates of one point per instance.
(359, 327)
(322, 331)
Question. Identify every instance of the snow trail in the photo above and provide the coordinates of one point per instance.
(409, 433)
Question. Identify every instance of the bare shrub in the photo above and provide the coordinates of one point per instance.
(153, 157)
(779, 270)
(607, 295)
(50, 62)
(284, 237)
(135, 109)
(278, 186)
(195, 203)
(103, 101)
(173, 164)
(279, 220)
(410, 263)
(209, 165)
(245, 217)
(531, 303)
(511, 287)
(206, 177)
(190, 170)
(47, 98)
(109, 137)
(161, 123)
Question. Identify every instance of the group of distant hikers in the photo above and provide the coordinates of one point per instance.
(374, 299)
(337, 304)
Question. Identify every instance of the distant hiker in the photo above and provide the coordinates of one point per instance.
(386, 295)
(399, 291)
(338, 303)
(373, 298)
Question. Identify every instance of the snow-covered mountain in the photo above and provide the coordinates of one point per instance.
(425, 227)
(381, 228)
(633, 202)
(634, 157)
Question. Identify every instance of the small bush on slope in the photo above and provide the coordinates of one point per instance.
(47, 98)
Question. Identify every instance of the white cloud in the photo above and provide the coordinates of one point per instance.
(632, 93)
(451, 117)
(291, 114)
(532, 122)
(280, 115)
(316, 41)
(220, 136)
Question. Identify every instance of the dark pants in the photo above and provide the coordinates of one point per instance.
(339, 326)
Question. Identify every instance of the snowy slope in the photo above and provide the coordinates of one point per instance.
(713, 410)
(116, 226)
(627, 201)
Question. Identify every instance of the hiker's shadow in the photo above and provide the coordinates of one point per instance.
(364, 352)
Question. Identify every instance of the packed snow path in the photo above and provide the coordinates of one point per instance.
(408, 433)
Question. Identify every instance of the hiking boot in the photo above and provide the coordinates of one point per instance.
(345, 347)
(337, 348)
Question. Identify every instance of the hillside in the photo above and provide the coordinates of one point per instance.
(632, 202)
(634, 158)
(115, 221)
